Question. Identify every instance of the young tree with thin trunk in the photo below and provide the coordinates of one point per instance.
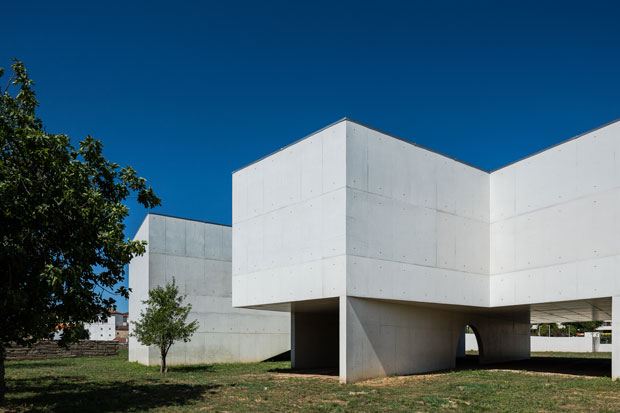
(62, 241)
(164, 321)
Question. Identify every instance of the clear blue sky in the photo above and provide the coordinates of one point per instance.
(187, 92)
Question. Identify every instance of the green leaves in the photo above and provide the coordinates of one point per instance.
(61, 216)
(164, 320)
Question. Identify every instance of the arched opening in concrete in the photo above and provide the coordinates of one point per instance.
(469, 349)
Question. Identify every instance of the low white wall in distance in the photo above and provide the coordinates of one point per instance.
(584, 344)
(471, 344)
(569, 344)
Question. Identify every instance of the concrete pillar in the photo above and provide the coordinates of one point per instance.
(314, 340)
(615, 338)
(504, 337)
(460, 348)
(380, 338)
(342, 338)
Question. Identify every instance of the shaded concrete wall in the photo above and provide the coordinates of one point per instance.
(139, 286)
(383, 338)
(555, 219)
(198, 256)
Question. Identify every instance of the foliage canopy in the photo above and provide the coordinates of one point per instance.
(62, 237)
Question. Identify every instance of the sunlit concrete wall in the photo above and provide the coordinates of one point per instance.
(357, 214)
(198, 256)
(354, 213)
(289, 227)
(394, 220)
(555, 220)
(417, 222)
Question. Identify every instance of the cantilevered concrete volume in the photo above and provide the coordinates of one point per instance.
(382, 251)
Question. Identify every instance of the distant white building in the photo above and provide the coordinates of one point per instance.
(198, 255)
(103, 330)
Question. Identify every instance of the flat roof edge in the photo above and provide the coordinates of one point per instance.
(417, 145)
(556, 144)
(424, 147)
(176, 217)
(189, 219)
(290, 144)
(365, 126)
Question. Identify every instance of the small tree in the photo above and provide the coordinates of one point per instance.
(164, 321)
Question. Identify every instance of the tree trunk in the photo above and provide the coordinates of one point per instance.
(162, 368)
(2, 383)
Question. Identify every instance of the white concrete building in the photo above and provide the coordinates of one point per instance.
(198, 255)
(382, 251)
(102, 330)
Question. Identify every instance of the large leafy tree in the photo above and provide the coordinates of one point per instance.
(164, 321)
(62, 237)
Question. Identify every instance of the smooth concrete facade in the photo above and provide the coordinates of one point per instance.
(400, 235)
(198, 255)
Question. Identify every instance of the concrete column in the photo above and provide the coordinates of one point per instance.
(460, 348)
(503, 337)
(615, 338)
(380, 338)
(342, 338)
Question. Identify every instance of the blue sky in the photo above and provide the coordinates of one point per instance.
(187, 92)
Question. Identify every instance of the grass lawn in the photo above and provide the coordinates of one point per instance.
(113, 384)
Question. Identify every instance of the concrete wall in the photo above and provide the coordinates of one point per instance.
(555, 219)
(105, 330)
(398, 221)
(354, 213)
(586, 344)
(383, 338)
(139, 286)
(198, 256)
(471, 343)
(289, 223)
(417, 223)
(431, 229)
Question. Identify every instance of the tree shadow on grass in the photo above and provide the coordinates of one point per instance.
(576, 366)
(327, 371)
(74, 394)
(28, 364)
(198, 368)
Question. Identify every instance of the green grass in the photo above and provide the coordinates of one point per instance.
(112, 384)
